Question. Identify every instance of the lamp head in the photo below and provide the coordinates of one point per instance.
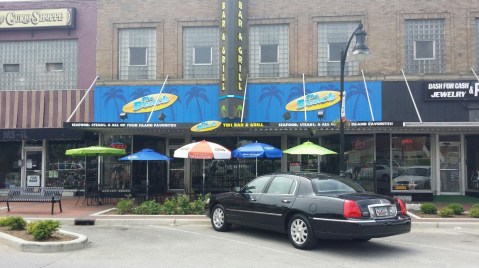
(360, 49)
(123, 116)
(287, 116)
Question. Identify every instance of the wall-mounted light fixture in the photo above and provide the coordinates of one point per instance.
(162, 117)
(287, 116)
(320, 114)
(123, 116)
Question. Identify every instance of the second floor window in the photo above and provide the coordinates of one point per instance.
(201, 52)
(269, 50)
(137, 54)
(11, 68)
(202, 55)
(424, 46)
(332, 39)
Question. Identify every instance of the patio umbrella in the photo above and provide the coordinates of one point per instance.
(309, 148)
(95, 151)
(257, 150)
(91, 190)
(146, 155)
(203, 150)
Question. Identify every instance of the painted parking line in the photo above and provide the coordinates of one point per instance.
(2, 208)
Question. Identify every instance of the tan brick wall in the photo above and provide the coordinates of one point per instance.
(383, 21)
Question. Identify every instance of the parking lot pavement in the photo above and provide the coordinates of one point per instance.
(201, 246)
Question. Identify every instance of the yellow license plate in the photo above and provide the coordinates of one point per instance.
(400, 187)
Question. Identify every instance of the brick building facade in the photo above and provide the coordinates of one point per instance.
(411, 105)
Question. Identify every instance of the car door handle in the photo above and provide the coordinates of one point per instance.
(286, 201)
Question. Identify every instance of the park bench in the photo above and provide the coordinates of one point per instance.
(35, 194)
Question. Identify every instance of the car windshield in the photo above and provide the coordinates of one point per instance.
(335, 186)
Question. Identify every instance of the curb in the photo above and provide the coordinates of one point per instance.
(450, 225)
(46, 247)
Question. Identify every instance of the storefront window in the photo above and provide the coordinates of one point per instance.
(64, 171)
(359, 153)
(115, 174)
(9, 165)
(412, 153)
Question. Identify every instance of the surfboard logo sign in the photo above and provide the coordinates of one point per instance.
(145, 104)
(314, 101)
(206, 126)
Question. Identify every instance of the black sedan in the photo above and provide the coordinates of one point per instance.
(309, 206)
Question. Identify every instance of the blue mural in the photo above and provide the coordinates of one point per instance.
(194, 104)
(264, 103)
(268, 101)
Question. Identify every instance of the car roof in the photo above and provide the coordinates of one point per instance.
(307, 175)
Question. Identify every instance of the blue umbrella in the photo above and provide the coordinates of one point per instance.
(146, 155)
(257, 150)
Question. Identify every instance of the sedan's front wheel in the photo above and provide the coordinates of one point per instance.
(301, 233)
(218, 220)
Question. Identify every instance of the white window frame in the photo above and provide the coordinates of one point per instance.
(49, 66)
(211, 55)
(329, 51)
(146, 57)
(433, 50)
(261, 53)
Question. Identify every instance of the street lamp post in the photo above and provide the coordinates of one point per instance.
(359, 49)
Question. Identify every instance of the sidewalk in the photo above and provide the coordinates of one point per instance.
(75, 211)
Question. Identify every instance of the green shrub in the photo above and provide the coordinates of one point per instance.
(182, 204)
(42, 230)
(446, 212)
(428, 208)
(125, 205)
(474, 212)
(457, 208)
(198, 206)
(13, 222)
(168, 206)
(150, 207)
(475, 206)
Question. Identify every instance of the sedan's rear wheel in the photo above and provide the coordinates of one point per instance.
(300, 232)
(218, 219)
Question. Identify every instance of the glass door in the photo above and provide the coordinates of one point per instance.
(449, 169)
(33, 168)
(176, 172)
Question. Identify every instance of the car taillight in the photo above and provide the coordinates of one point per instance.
(402, 206)
(351, 209)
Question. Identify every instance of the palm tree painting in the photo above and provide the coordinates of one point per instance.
(172, 109)
(269, 93)
(239, 110)
(357, 92)
(224, 111)
(197, 94)
(294, 93)
(141, 92)
(114, 94)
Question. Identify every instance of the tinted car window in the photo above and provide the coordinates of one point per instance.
(325, 186)
(281, 185)
(257, 185)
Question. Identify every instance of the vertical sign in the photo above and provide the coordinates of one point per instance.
(233, 40)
